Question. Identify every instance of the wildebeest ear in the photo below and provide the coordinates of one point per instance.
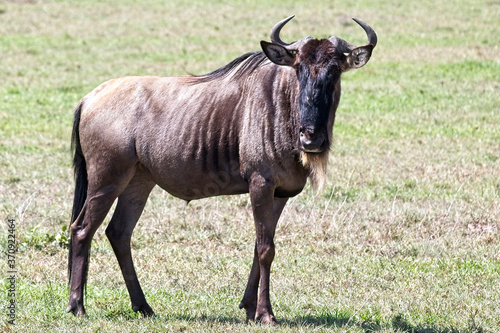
(278, 54)
(359, 57)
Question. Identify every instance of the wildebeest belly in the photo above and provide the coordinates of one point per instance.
(188, 180)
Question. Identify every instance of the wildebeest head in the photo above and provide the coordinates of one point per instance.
(318, 64)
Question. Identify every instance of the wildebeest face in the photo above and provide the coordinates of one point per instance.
(318, 71)
(318, 64)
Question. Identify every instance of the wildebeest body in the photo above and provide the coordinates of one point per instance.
(203, 148)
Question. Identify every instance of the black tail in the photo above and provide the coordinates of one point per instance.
(81, 178)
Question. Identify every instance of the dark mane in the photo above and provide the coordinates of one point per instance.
(249, 62)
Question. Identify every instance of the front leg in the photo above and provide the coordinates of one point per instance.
(266, 210)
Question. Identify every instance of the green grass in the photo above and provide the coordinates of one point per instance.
(404, 237)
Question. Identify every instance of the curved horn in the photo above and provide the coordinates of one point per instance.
(346, 47)
(372, 36)
(275, 31)
(275, 36)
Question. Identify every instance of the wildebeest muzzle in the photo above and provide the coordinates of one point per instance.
(312, 141)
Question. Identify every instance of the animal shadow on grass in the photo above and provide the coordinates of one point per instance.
(398, 322)
(402, 324)
(329, 320)
(207, 318)
(326, 320)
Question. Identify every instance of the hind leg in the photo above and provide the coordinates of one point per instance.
(101, 194)
(130, 205)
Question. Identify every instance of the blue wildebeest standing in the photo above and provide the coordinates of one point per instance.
(261, 124)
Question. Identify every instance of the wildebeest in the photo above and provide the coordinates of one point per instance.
(260, 125)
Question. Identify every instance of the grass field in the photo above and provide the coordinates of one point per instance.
(404, 237)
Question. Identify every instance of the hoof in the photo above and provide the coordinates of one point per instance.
(250, 310)
(267, 319)
(145, 310)
(76, 310)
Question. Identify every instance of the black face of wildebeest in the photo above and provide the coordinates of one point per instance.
(319, 74)
(261, 125)
(318, 64)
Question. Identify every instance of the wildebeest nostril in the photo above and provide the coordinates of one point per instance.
(312, 142)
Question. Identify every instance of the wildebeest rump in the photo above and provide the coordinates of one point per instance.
(260, 125)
